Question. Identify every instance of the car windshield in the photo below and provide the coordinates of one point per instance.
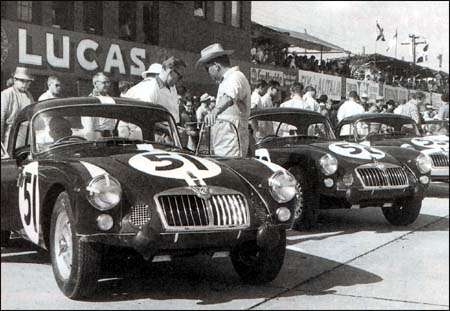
(435, 128)
(381, 128)
(123, 124)
(293, 125)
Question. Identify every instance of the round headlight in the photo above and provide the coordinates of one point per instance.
(105, 192)
(328, 164)
(424, 163)
(282, 186)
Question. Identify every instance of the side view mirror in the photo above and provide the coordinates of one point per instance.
(22, 153)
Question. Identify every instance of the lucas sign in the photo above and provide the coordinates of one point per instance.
(88, 53)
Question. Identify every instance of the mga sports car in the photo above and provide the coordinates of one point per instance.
(338, 174)
(80, 174)
(397, 132)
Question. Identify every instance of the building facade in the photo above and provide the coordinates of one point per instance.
(75, 39)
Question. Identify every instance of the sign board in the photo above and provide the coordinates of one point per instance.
(265, 74)
(370, 88)
(289, 78)
(324, 84)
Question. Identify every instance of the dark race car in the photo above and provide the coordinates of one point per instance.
(80, 173)
(397, 133)
(338, 174)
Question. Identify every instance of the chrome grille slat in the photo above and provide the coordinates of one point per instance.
(374, 177)
(189, 212)
(439, 159)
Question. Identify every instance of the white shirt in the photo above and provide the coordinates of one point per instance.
(349, 108)
(255, 100)
(266, 101)
(149, 90)
(399, 110)
(236, 86)
(310, 102)
(46, 95)
(295, 102)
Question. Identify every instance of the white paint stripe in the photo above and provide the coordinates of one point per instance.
(93, 170)
(274, 167)
(18, 254)
(106, 100)
(308, 236)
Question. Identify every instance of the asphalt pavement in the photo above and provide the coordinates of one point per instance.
(353, 260)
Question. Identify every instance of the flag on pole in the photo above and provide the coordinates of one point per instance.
(425, 48)
(424, 55)
(380, 33)
(392, 42)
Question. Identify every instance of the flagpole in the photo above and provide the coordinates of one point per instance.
(396, 40)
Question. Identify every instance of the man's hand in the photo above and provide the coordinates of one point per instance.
(210, 118)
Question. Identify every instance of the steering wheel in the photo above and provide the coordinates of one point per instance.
(69, 137)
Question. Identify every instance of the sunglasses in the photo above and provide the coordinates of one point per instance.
(23, 80)
(180, 76)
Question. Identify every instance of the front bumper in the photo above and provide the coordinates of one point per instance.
(440, 174)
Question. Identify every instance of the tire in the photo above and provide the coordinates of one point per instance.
(75, 264)
(310, 203)
(5, 235)
(257, 265)
(403, 213)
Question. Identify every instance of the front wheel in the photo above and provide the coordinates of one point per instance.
(403, 213)
(76, 264)
(256, 264)
(5, 237)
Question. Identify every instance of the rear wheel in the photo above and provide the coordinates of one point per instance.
(76, 264)
(309, 202)
(256, 264)
(403, 213)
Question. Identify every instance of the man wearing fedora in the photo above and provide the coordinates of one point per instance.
(14, 99)
(232, 103)
(202, 110)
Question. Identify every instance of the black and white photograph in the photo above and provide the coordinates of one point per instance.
(198, 155)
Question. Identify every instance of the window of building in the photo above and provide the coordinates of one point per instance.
(150, 17)
(127, 20)
(236, 8)
(25, 11)
(93, 17)
(200, 8)
(219, 11)
(62, 14)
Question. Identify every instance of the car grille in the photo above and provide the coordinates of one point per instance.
(140, 215)
(439, 159)
(388, 176)
(190, 212)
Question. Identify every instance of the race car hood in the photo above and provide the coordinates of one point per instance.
(418, 143)
(349, 155)
(148, 173)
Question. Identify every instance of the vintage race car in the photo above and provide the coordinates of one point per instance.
(396, 131)
(80, 173)
(338, 174)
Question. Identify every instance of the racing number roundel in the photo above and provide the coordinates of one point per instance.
(174, 165)
(29, 201)
(428, 143)
(357, 151)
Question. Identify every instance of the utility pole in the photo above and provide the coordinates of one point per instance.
(414, 43)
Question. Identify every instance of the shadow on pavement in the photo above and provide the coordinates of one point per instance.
(438, 190)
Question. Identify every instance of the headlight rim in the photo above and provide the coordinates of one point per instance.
(428, 159)
(330, 158)
(275, 195)
(91, 194)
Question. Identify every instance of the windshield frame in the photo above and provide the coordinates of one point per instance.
(369, 121)
(34, 151)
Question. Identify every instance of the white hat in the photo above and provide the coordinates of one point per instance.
(379, 97)
(212, 51)
(205, 97)
(23, 73)
(364, 95)
(154, 68)
(212, 98)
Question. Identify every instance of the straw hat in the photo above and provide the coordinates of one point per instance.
(212, 51)
(205, 97)
(23, 73)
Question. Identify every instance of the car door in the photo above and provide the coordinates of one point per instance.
(9, 201)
